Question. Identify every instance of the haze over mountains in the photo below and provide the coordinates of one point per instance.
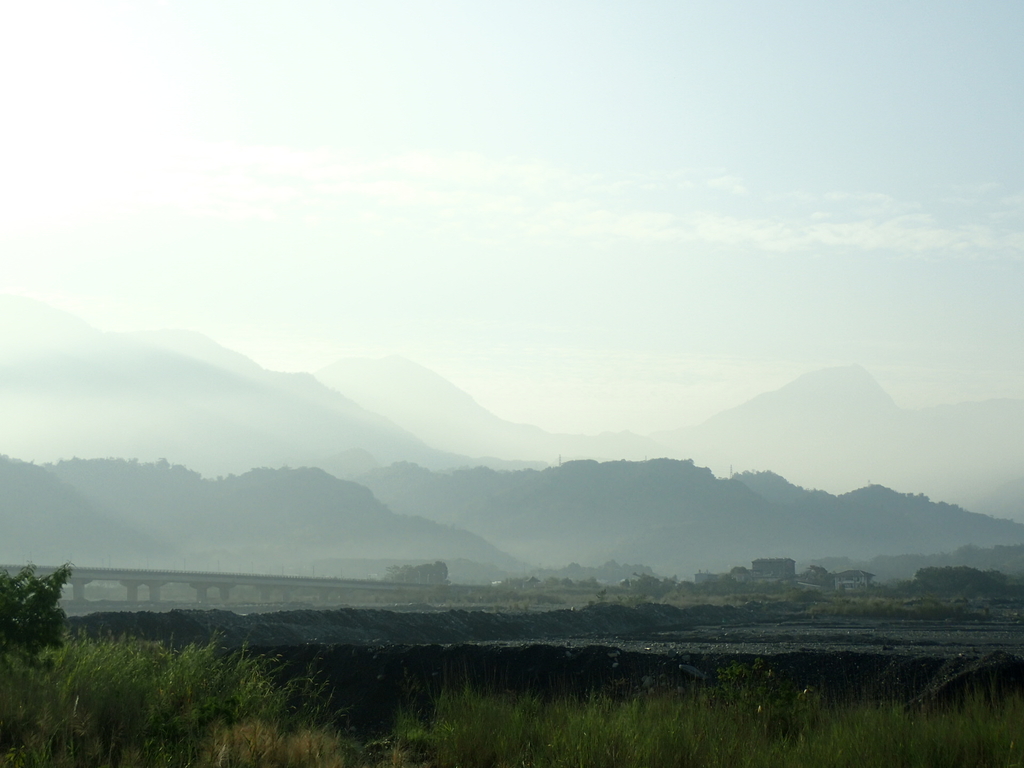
(68, 390)
(661, 513)
(47, 521)
(159, 515)
(172, 398)
(676, 516)
(450, 419)
(837, 429)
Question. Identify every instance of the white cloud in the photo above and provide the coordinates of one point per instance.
(472, 196)
(729, 184)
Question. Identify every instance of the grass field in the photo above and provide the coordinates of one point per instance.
(126, 703)
(129, 703)
(474, 730)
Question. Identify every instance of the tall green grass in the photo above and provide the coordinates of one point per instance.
(471, 730)
(127, 703)
(111, 703)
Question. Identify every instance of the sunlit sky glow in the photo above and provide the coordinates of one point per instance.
(590, 215)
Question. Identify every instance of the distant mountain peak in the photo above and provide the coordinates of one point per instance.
(847, 390)
(30, 325)
(199, 347)
(397, 377)
(441, 414)
(850, 377)
(847, 382)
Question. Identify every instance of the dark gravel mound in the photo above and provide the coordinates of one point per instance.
(370, 663)
(369, 684)
(994, 675)
(360, 625)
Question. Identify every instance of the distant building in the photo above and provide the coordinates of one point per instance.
(845, 580)
(700, 578)
(773, 569)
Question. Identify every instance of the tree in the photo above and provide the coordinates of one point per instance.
(817, 575)
(960, 580)
(645, 585)
(31, 618)
(428, 573)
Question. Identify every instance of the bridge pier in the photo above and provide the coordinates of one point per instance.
(78, 589)
(154, 590)
(202, 591)
(133, 585)
(133, 590)
(225, 591)
(326, 595)
(264, 594)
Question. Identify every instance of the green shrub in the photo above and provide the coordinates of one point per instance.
(31, 618)
(961, 580)
(131, 702)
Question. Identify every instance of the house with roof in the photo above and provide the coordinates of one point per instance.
(855, 579)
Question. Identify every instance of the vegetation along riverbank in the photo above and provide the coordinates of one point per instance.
(137, 703)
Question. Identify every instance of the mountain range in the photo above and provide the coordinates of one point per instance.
(448, 418)
(678, 517)
(662, 513)
(128, 513)
(835, 429)
(68, 390)
(838, 429)
(48, 521)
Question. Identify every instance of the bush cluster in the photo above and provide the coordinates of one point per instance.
(133, 703)
(31, 618)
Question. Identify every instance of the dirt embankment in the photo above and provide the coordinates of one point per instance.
(369, 684)
(372, 662)
(361, 625)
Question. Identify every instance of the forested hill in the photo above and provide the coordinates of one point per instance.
(43, 520)
(1006, 558)
(676, 516)
(265, 518)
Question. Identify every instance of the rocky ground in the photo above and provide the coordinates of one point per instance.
(374, 661)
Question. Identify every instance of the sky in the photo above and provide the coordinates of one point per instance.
(590, 215)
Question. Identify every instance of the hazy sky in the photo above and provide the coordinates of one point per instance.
(590, 215)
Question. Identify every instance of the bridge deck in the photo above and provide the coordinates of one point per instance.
(201, 581)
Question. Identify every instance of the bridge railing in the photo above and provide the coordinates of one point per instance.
(322, 588)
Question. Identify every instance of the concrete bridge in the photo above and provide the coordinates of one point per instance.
(325, 589)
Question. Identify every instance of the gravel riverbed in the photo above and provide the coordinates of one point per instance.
(373, 662)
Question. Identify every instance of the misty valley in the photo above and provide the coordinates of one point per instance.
(491, 384)
(487, 525)
(166, 450)
(324, 561)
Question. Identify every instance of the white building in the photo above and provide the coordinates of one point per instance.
(845, 580)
